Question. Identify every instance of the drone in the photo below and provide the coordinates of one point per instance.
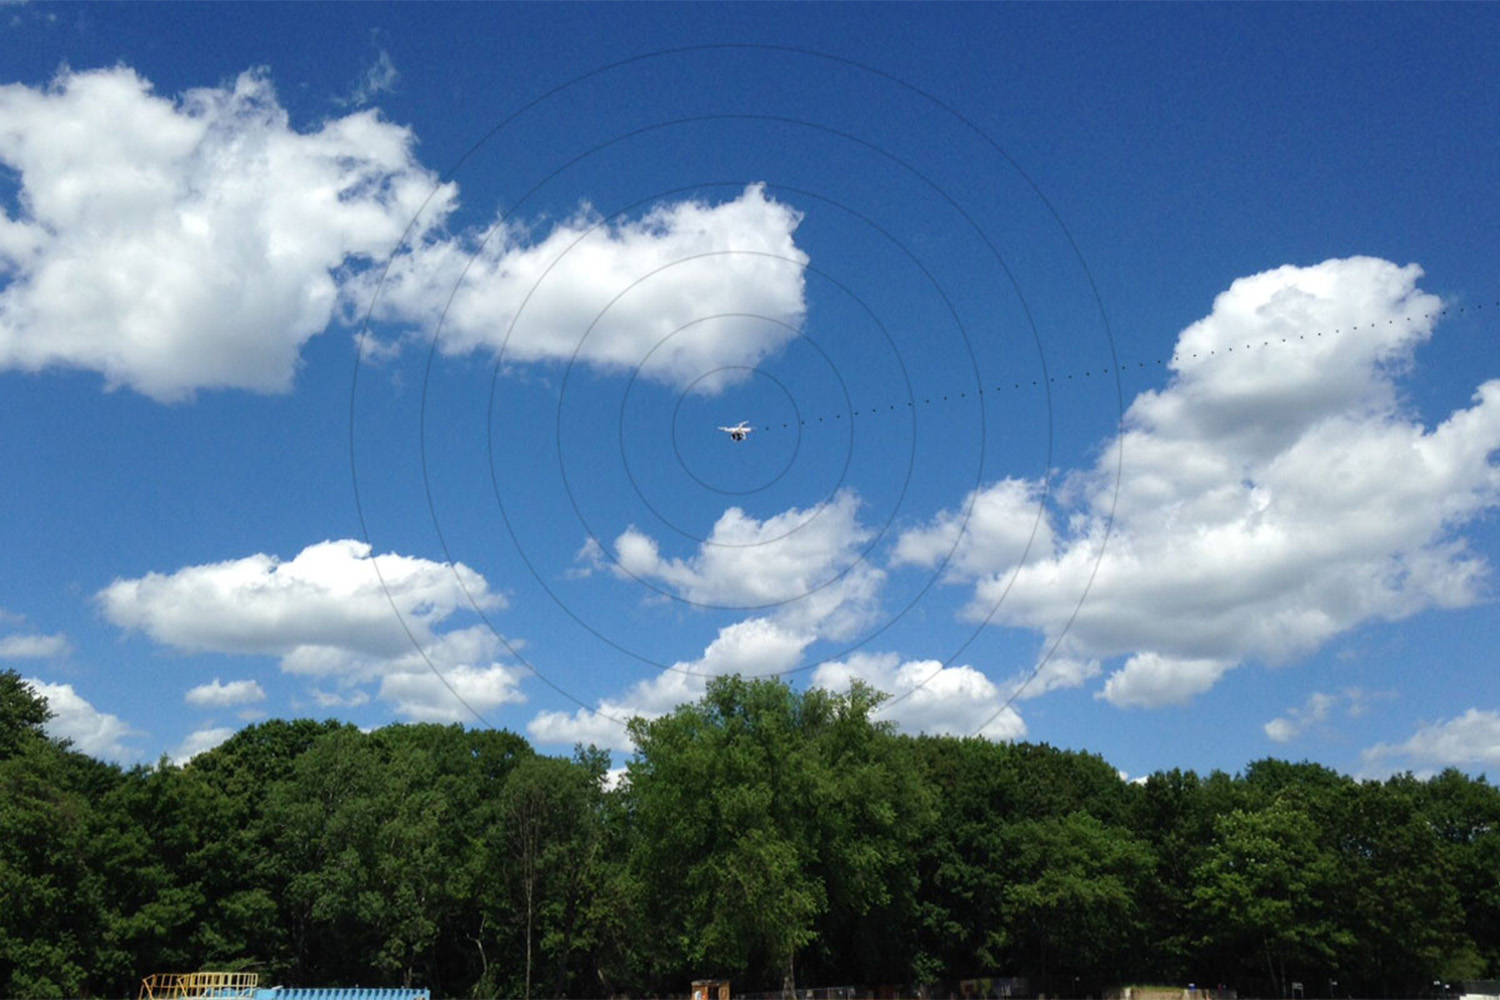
(739, 431)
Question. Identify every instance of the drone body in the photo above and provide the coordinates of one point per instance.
(738, 432)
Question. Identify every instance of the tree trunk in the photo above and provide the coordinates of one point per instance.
(529, 894)
(478, 939)
(570, 915)
(1271, 966)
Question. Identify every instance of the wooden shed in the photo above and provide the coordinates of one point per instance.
(710, 989)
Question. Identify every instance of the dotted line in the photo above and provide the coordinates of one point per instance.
(1126, 367)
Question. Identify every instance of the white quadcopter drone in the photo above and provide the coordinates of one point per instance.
(739, 431)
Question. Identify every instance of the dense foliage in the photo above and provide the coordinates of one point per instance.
(764, 835)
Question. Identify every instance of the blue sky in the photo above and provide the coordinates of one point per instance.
(1123, 377)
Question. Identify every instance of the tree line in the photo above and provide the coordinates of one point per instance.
(769, 836)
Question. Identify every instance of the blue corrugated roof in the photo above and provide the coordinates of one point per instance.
(340, 993)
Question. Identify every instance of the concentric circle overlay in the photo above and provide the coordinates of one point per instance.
(814, 588)
(699, 424)
(696, 421)
(933, 101)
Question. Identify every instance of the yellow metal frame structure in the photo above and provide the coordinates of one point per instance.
(189, 985)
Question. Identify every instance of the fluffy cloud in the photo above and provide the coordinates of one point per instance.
(350, 698)
(686, 290)
(378, 78)
(200, 741)
(1282, 729)
(928, 697)
(1472, 739)
(805, 570)
(754, 647)
(217, 695)
(1316, 710)
(804, 567)
(995, 529)
(330, 596)
(428, 696)
(96, 733)
(176, 244)
(173, 245)
(334, 611)
(1271, 498)
(1151, 680)
(34, 647)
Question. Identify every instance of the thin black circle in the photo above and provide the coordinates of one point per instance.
(889, 622)
(494, 480)
(968, 507)
(578, 511)
(659, 54)
(918, 174)
(843, 473)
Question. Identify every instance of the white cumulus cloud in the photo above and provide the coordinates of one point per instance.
(994, 530)
(1150, 680)
(187, 243)
(349, 698)
(1282, 729)
(1315, 712)
(928, 697)
(1272, 497)
(198, 241)
(218, 695)
(333, 611)
(424, 696)
(1471, 739)
(754, 647)
(802, 567)
(96, 733)
(679, 294)
(34, 647)
(200, 741)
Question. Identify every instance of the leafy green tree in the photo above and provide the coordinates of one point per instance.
(549, 827)
(978, 872)
(1071, 900)
(326, 818)
(1397, 900)
(960, 864)
(734, 798)
(417, 809)
(50, 922)
(1312, 784)
(1042, 781)
(238, 860)
(1175, 813)
(1464, 815)
(1264, 890)
(54, 921)
(23, 713)
(615, 914)
(721, 792)
(875, 813)
(476, 940)
(146, 845)
(760, 833)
